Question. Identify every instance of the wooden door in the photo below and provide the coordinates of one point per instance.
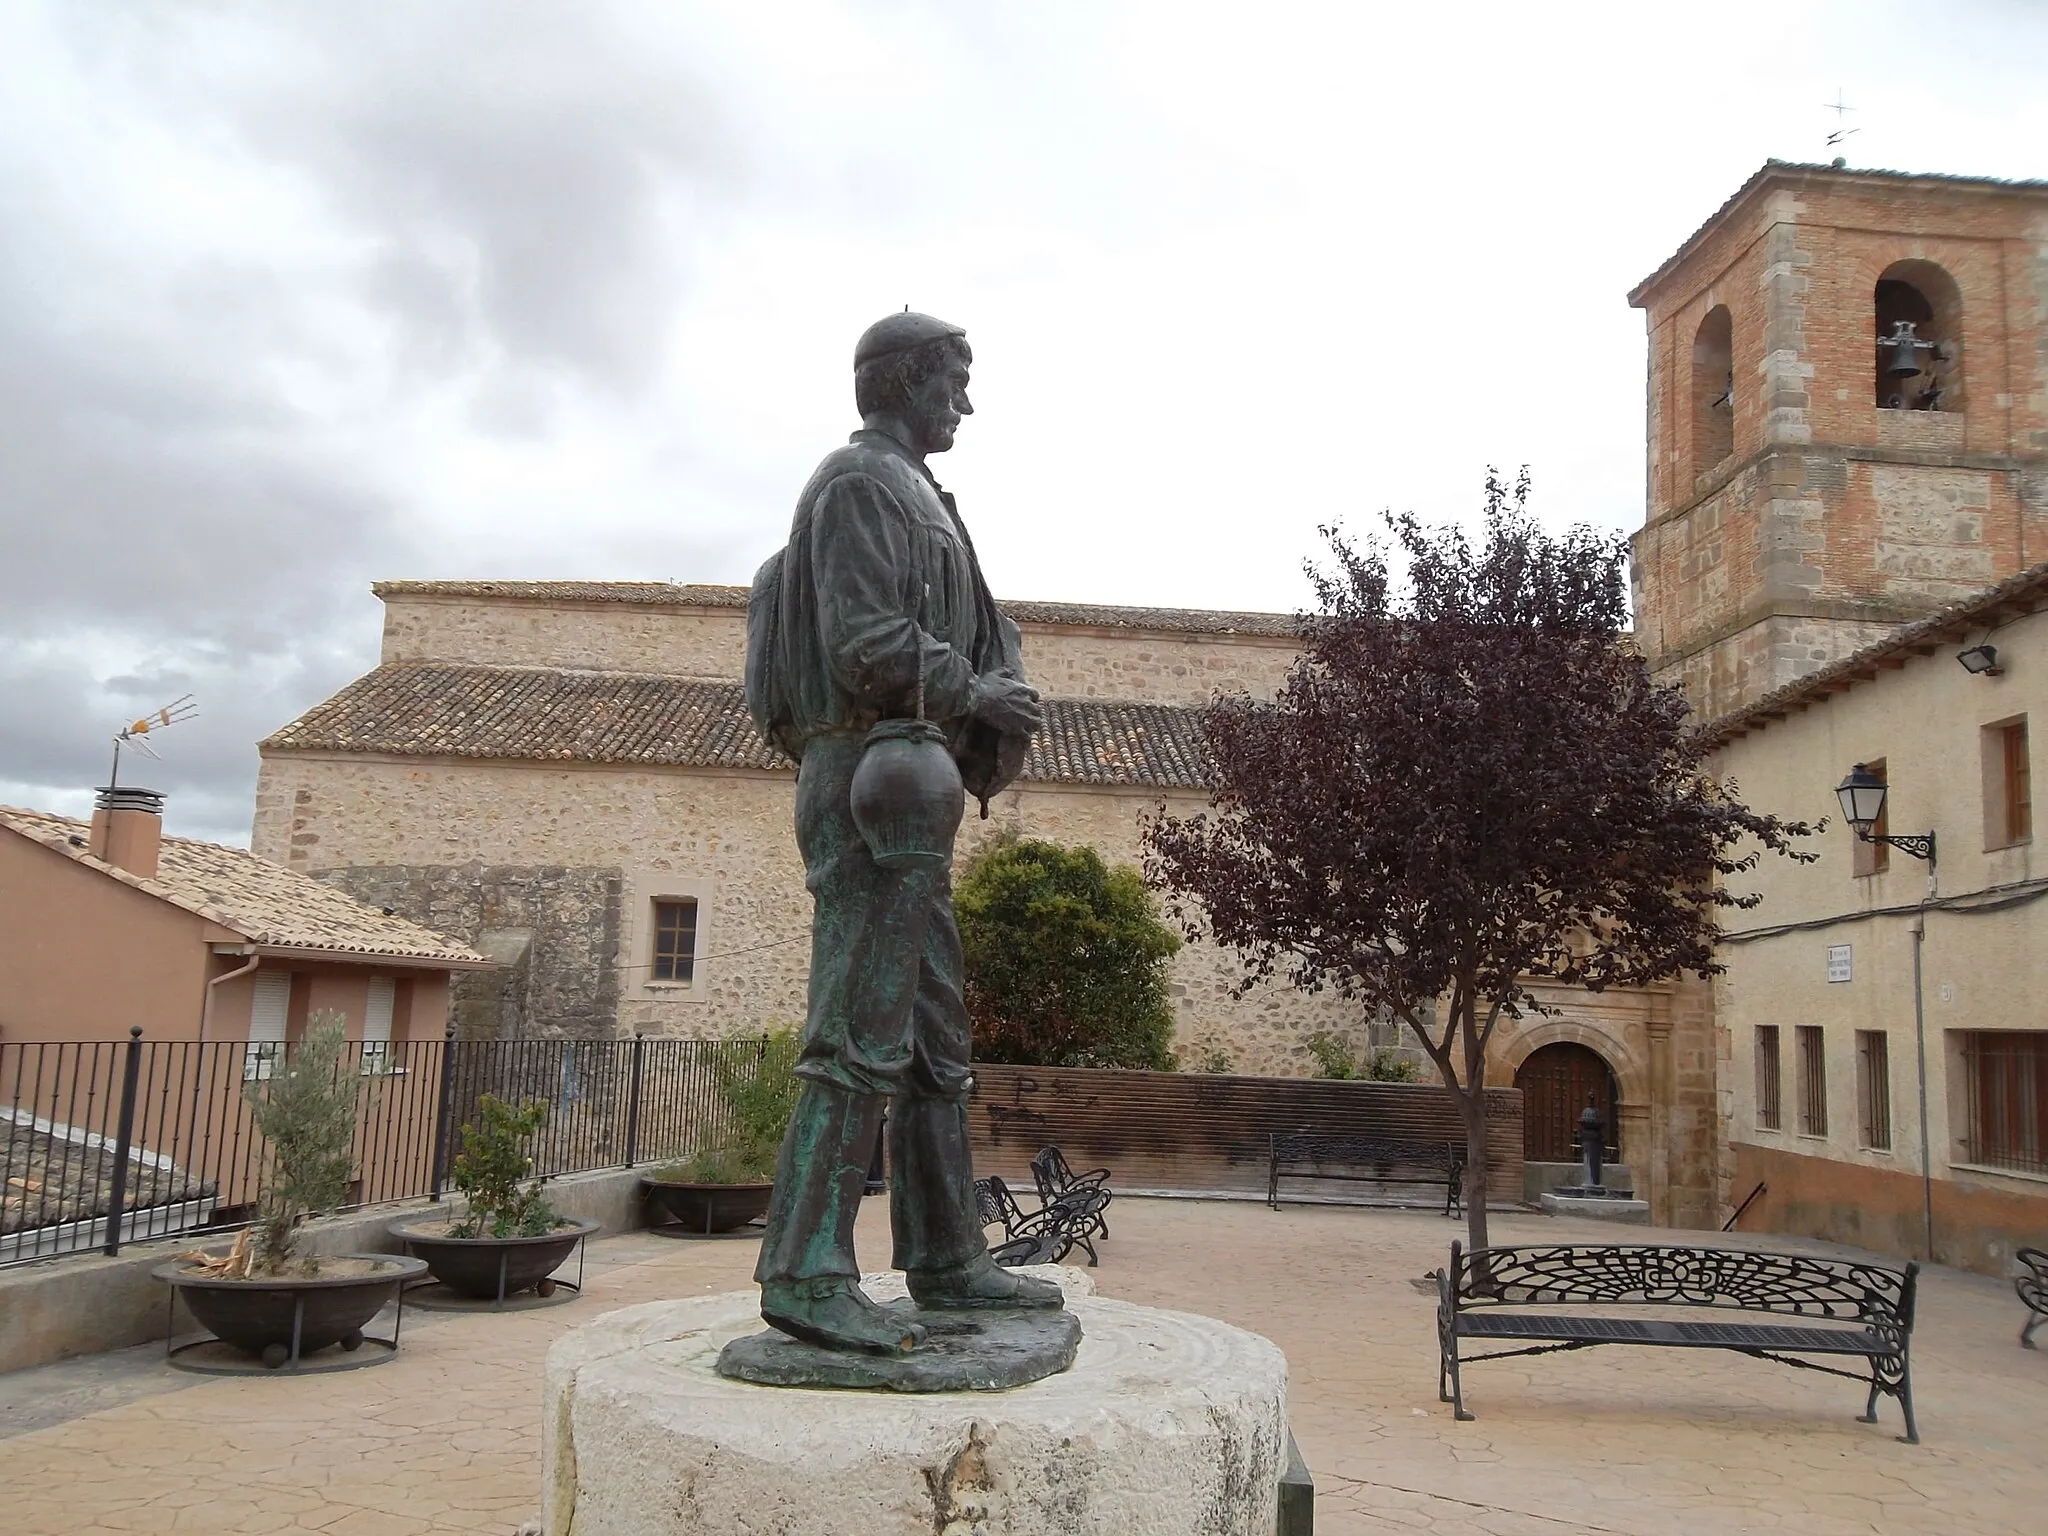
(1555, 1083)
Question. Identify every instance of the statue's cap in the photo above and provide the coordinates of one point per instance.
(899, 333)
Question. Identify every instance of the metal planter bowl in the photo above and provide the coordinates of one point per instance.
(470, 1266)
(256, 1316)
(712, 1208)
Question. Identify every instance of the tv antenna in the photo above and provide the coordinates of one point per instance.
(1841, 108)
(136, 732)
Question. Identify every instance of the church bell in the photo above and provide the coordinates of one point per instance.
(1901, 351)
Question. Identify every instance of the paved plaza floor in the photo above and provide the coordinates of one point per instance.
(446, 1437)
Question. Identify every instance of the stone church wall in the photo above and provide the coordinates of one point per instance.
(549, 869)
(1152, 666)
(597, 637)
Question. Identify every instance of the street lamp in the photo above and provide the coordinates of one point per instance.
(1981, 661)
(1862, 795)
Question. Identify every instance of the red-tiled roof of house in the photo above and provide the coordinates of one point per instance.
(2013, 598)
(536, 714)
(268, 905)
(662, 594)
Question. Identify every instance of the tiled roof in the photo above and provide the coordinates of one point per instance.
(2016, 596)
(1782, 168)
(60, 1173)
(267, 904)
(661, 594)
(543, 715)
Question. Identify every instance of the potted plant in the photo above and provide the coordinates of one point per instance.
(265, 1295)
(509, 1240)
(726, 1185)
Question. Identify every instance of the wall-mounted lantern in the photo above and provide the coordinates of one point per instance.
(1862, 795)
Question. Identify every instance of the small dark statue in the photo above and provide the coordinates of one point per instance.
(878, 661)
(1592, 1144)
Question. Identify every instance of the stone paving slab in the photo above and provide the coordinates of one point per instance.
(446, 1438)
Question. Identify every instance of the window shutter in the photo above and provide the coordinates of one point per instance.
(377, 1016)
(267, 1012)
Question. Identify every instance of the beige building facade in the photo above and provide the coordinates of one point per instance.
(1857, 969)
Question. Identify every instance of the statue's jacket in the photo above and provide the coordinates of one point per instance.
(879, 583)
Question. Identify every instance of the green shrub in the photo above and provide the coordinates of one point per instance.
(1332, 1053)
(489, 1168)
(1387, 1065)
(759, 1097)
(1066, 959)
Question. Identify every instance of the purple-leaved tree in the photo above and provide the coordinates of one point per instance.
(1467, 786)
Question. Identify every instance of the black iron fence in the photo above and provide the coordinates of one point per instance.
(105, 1142)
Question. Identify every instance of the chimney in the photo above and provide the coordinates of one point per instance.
(128, 829)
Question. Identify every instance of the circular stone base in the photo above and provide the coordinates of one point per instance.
(981, 1351)
(1166, 1424)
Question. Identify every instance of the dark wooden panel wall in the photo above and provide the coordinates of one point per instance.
(1196, 1131)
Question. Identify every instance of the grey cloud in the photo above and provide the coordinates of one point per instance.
(195, 490)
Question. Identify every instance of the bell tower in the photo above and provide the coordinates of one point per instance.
(1848, 419)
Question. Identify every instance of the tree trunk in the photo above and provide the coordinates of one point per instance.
(1472, 1104)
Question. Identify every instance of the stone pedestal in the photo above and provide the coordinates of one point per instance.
(1629, 1213)
(1166, 1423)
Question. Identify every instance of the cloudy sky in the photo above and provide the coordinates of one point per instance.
(297, 296)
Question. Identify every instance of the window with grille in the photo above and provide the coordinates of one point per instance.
(675, 940)
(1873, 1089)
(1769, 1106)
(2006, 1078)
(1813, 1081)
(1874, 858)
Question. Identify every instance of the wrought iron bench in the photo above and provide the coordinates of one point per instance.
(1058, 1182)
(1850, 1308)
(1316, 1155)
(2033, 1290)
(1044, 1236)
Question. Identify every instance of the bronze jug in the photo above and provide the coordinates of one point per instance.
(907, 795)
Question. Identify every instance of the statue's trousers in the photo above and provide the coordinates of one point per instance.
(886, 1019)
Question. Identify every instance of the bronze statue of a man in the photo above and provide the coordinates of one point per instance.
(873, 624)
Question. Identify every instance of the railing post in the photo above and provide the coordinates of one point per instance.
(124, 1139)
(444, 1110)
(633, 1106)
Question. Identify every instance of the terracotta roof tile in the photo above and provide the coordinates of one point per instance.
(266, 903)
(547, 715)
(661, 594)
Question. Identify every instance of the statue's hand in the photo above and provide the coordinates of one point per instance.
(1007, 703)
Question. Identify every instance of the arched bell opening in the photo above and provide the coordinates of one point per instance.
(1919, 315)
(1713, 390)
(1557, 1081)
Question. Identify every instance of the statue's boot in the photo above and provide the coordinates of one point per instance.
(810, 1282)
(937, 1230)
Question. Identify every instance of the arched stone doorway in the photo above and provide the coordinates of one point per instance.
(1556, 1081)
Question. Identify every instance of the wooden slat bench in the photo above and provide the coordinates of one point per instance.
(1366, 1160)
(1845, 1308)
